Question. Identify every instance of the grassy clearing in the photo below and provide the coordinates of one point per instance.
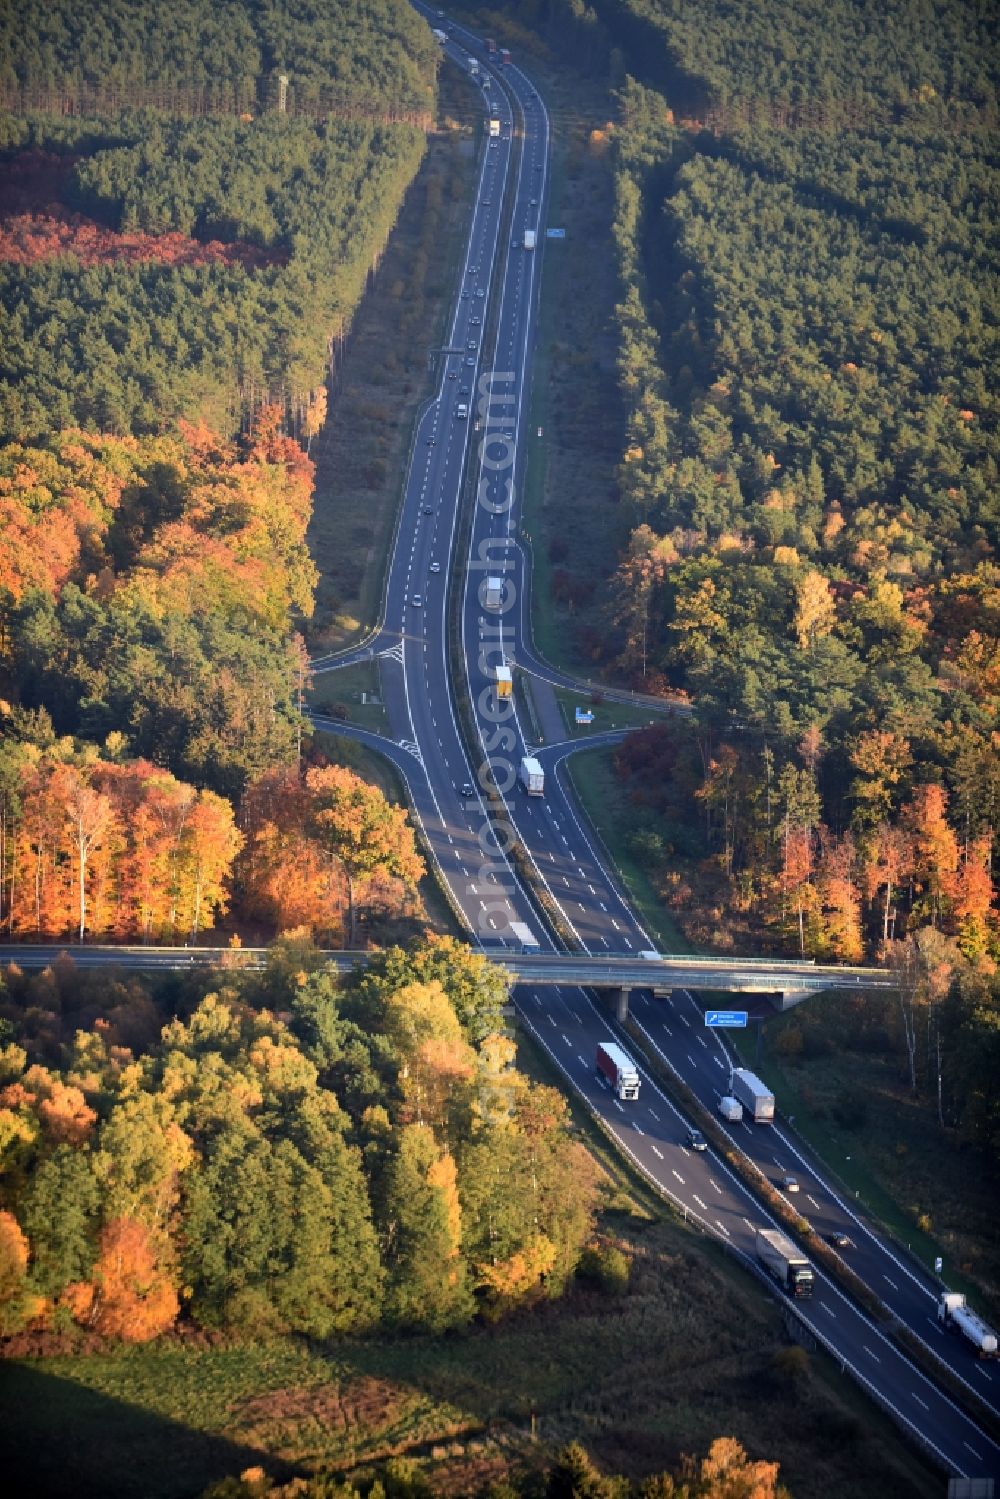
(854, 1108)
(385, 376)
(607, 715)
(347, 694)
(601, 796)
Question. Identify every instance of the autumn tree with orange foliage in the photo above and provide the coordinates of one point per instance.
(130, 1297)
(361, 833)
(115, 850)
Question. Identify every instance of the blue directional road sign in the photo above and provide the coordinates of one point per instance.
(718, 1019)
(555, 234)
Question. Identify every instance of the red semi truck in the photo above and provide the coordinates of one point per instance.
(618, 1070)
(505, 56)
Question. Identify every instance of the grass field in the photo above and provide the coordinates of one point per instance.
(340, 693)
(606, 715)
(640, 1378)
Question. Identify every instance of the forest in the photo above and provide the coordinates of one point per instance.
(806, 328)
(288, 1153)
(136, 340)
(180, 261)
(726, 1472)
(202, 56)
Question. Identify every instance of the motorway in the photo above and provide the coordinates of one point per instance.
(481, 460)
(550, 830)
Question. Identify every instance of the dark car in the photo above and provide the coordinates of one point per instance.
(468, 789)
(789, 1183)
(428, 509)
(696, 1140)
(839, 1240)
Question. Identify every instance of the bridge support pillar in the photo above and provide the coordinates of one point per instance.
(789, 998)
(621, 1007)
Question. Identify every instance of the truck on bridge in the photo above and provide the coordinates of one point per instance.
(755, 1096)
(954, 1311)
(784, 1263)
(617, 1069)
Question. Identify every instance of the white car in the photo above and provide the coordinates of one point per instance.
(435, 567)
(417, 601)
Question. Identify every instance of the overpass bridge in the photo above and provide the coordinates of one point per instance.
(783, 982)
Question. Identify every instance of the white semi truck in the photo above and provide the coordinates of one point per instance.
(954, 1311)
(784, 1263)
(755, 1096)
(494, 593)
(523, 937)
(618, 1070)
(532, 776)
(529, 239)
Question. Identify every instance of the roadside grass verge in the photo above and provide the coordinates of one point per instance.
(347, 694)
(570, 517)
(607, 715)
(601, 797)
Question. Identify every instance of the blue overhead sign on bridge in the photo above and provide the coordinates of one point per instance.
(555, 234)
(718, 1019)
